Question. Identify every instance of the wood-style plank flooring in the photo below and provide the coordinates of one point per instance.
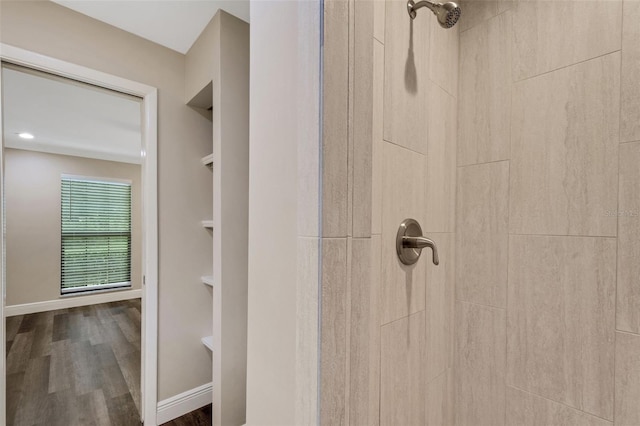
(199, 417)
(77, 366)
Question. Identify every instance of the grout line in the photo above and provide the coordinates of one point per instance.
(566, 66)
(351, 47)
(404, 147)
(631, 333)
(487, 19)
(404, 317)
(351, 97)
(444, 90)
(617, 189)
(506, 313)
(322, 239)
(480, 164)
(559, 403)
(442, 373)
(613, 237)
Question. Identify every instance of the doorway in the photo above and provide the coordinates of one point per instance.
(120, 275)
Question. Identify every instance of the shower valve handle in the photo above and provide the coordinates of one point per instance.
(410, 242)
(420, 243)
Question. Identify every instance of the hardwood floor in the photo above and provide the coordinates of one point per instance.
(200, 417)
(77, 366)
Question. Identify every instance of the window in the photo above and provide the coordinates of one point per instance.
(96, 234)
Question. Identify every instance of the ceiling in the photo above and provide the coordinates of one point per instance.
(70, 118)
(175, 24)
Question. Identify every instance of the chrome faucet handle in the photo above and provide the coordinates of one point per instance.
(410, 242)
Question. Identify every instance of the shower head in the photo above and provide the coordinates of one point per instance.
(447, 13)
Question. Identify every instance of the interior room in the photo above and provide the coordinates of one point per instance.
(364, 212)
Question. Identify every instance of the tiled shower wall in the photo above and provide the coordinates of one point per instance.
(389, 153)
(525, 169)
(547, 300)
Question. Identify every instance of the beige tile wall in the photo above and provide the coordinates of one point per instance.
(391, 125)
(549, 106)
(544, 246)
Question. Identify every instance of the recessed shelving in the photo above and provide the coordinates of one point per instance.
(207, 161)
(207, 224)
(208, 342)
(207, 279)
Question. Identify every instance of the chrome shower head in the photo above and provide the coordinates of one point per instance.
(447, 13)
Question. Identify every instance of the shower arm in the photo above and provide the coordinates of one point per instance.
(412, 7)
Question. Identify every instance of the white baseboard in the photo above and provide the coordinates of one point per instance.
(186, 402)
(71, 302)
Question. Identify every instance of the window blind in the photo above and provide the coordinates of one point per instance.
(96, 234)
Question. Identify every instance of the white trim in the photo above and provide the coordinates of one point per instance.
(149, 368)
(96, 179)
(29, 59)
(71, 302)
(186, 402)
(149, 95)
(3, 293)
(93, 289)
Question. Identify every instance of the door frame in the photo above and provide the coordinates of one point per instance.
(149, 95)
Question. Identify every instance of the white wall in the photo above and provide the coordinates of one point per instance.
(184, 185)
(283, 213)
(32, 197)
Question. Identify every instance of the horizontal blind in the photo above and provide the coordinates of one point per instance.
(96, 233)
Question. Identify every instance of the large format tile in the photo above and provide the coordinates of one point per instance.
(335, 81)
(443, 58)
(378, 19)
(378, 111)
(564, 150)
(406, 71)
(550, 35)
(475, 12)
(627, 379)
(628, 293)
(525, 409)
(485, 92)
(482, 233)
(374, 331)
(439, 404)
(333, 340)
(360, 340)
(403, 287)
(441, 162)
(362, 121)
(561, 319)
(402, 380)
(439, 306)
(480, 364)
(630, 102)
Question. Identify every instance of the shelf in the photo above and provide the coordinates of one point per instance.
(207, 161)
(207, 279)
(207, 224)
(208, 342)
